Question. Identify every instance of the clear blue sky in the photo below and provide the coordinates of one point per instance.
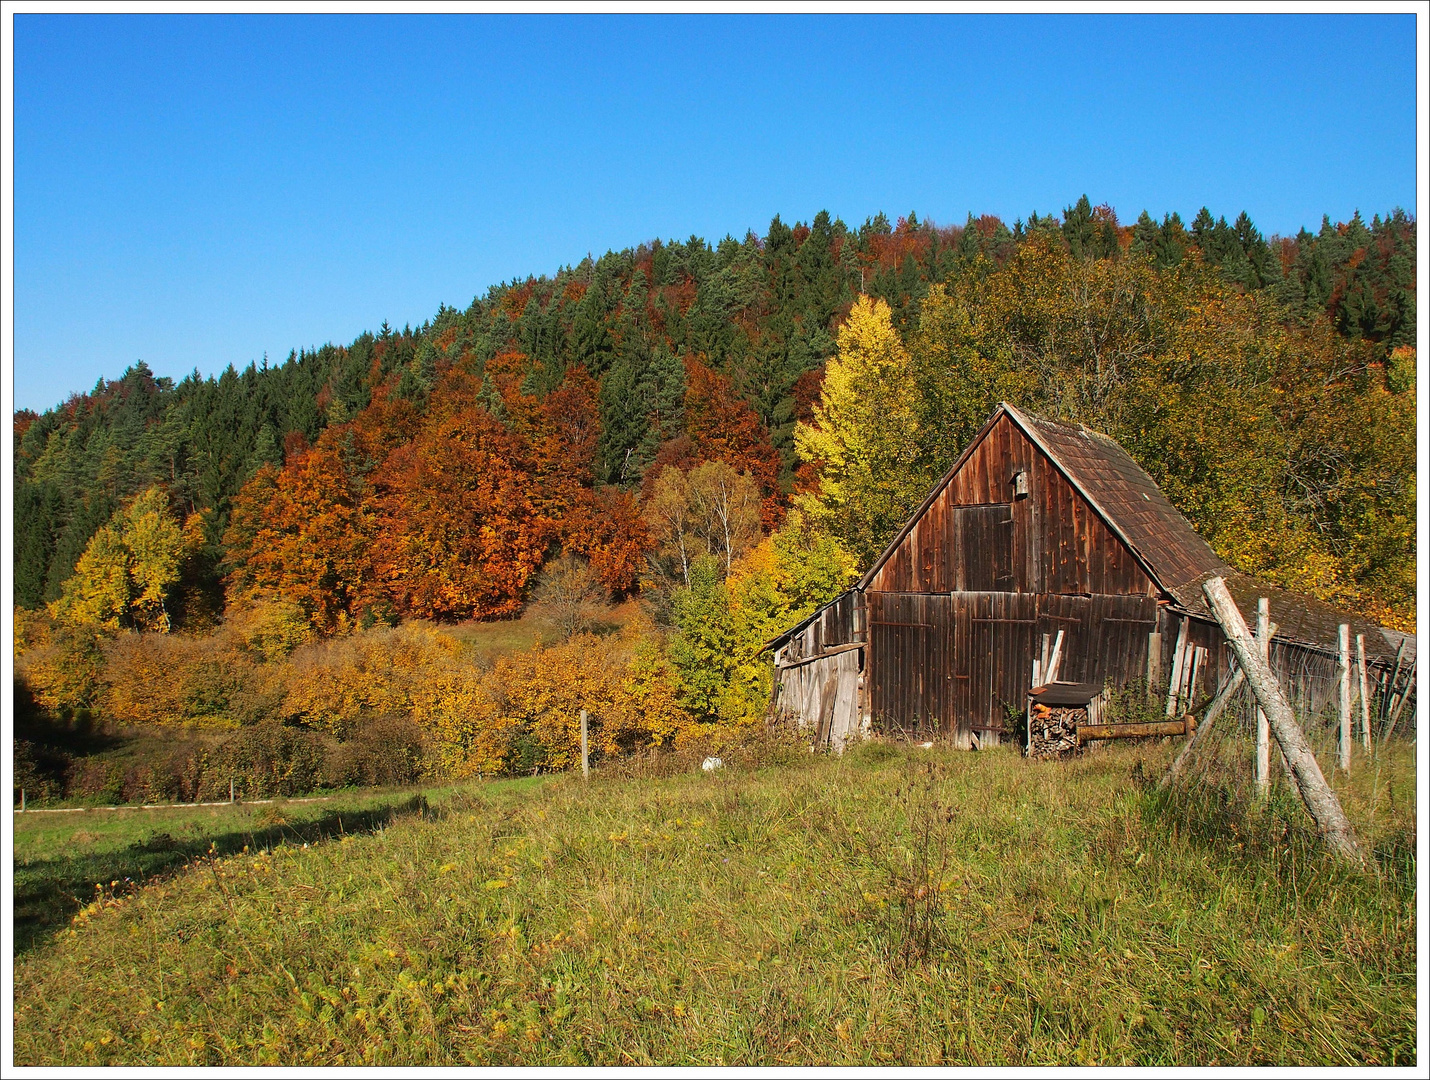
(199, 190)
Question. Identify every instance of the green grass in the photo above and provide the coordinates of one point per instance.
(64, 861)
(894, 906)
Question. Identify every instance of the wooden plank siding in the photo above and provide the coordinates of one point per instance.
(976, 536)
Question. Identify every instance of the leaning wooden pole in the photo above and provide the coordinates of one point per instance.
(1385, 698)
(1320, 800)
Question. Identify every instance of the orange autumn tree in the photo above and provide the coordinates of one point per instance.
(607, 527)
(457, 533)
(301, 533)
(563, 431)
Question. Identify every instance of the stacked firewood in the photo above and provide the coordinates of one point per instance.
(1053, 730)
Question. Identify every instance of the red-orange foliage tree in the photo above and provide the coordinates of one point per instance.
(457, 533)
(301, 533)
(607, 527)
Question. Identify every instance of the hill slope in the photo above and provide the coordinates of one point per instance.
(893, 906)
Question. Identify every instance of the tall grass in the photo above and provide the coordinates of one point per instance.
(894, 906)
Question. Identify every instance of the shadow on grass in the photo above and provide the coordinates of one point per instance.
(50, 892)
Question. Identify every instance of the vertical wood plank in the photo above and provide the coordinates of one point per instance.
(1364, 692)
(1343, 697)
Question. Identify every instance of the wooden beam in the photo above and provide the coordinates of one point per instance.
(1390, 690)
(1088, 732)
(1320, 800)
(1179, 659)
(1154, 664)
(1055, 660)
(1399, 702)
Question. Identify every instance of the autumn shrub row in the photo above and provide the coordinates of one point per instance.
(388, 705)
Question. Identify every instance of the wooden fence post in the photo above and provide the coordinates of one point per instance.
(1317, 795)
(585, 756)
(1364, 693)
(1263, 729)
(1343, 698)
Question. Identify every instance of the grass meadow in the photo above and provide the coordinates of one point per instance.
(893, 906)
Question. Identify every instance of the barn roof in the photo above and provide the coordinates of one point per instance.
(1164, 543)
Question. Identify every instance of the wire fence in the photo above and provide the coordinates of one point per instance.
(1310, 679)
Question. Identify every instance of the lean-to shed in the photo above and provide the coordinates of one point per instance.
(1041, 527)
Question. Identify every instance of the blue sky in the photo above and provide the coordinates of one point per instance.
(196, 191)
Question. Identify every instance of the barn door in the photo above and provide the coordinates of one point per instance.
(982, 543)
(908, 663)
(993, 639)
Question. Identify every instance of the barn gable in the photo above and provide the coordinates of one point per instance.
(1011, 516)
(1101, 526)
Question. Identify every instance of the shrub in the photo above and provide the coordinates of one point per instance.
(569, 599)
(170, 680)
(39, 771)
(387, 751)
(263, 761)
(340, 684)
(95, 780)
(59, 664)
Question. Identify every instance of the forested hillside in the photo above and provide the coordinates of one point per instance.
(667, 353)
(719, 437)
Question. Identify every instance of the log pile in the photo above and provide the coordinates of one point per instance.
(1052, 730)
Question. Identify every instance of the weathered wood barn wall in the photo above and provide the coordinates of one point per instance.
(1041, 526)
(818, 664)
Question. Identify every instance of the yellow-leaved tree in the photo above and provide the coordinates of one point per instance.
(128, 569)
(865, 436)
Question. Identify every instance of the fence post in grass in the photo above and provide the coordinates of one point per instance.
(1263, 729)
(1317, 795)
(230, 789)
(1343, 698)
(1364, 693)
(585, 756)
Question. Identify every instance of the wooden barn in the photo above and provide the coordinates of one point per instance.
(1043, 533)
